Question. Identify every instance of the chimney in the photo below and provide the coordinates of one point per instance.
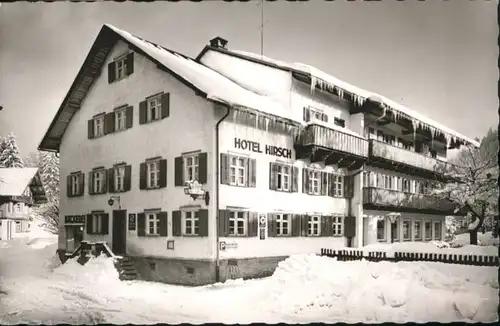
(218, 42)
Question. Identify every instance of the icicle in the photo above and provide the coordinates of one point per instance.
(414, 125)
(313, 84)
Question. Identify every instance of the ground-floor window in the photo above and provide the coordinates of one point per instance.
(238, 223)
(313, 225)
(395, 230)
(437, 230)
(428, 230)
(407, 230)
(283, 224)
(191, 223)
(74, 235)
(338, 222)
(153, 223)
(19, 227)
(381, 225)
(417, 229)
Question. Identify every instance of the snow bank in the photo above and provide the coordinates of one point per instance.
(307, 286)
(98, 270)
(438, 247)
(40, 243)
(485, 239)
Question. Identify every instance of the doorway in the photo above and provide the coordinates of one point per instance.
(119, 235)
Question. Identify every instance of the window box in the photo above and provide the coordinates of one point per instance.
(75, 183)
(154, 108)
(121, 67)
(153, 174)
(191, 166)
(238, 171)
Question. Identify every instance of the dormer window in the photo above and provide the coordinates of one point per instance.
(121, 67)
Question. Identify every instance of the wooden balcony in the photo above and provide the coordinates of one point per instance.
(378, 198)
(334, 147)
(391, 157)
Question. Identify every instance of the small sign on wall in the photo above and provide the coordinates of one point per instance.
(170, 244)
(131, 222)
(227, 245)
(262, 226)
(262, 233)
(74, 219)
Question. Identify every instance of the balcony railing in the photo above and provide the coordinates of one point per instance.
(397, 154)
(337, 140)
(398, 199)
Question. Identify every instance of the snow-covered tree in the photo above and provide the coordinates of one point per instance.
(474, 188)
(10, 156)
(451, 228)
(32, 160)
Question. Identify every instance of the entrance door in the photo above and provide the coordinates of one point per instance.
(119, 235)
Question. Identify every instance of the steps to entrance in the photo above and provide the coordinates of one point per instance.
(126, 269)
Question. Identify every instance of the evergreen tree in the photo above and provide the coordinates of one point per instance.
(10, 156)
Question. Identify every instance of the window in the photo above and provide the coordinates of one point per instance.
(237, 223)
(237, 171)
(395, 230)
(96, 224)
(152, 223)
(74, 184)
(119, 175)
(365, 179)
(381, 225)
(74, 235)
(313, 225)
(154, 108)
(387, 182)
(98, 181)
(99, 126)
(337, 225)
(313, 113)
(19, 208)
(417, 225)
(389, 139)
(153, 172)
(380, 135)
(407, 230)
(314, 181)
(120, 119)
(371, 133)
(428, 230)
(339, 122)
(283, 224)
(120, 68)
(191, 167)
(283, 177)
(437, 230)
(191, 223)
(338, 181)
(406, 185)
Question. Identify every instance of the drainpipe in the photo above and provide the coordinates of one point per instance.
(217, 163)
(349, 203)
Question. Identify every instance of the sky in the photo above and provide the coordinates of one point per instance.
(436, 57)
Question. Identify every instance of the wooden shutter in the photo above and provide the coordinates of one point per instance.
(252, 224)
(202, 168)
(105, 223)
(111, 180)
(176, 223)
(271, 225)
(326, 226)
(81, 179)
(224, 168)
(203, 220)
(163, 173)
(273, 168)
(331, 185)
(89, 224)
(141, 224)
(307, 114)
(111, 72)
(295, 179)
(348, 186)
(143, 112)
(179, 171)
(305, 180)
(223, 223)
(129, 62)
(68, 186)
(129, 117)
(303, 225)
(104, 182)
(142, 176)
(296, 225)
(324, 183)
(127, 179)
(251, 172)
(165, 105)
(163, 217)
(90, 130)
(109, 123)
(91, 183)
(349, 226)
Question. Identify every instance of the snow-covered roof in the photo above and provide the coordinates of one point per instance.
(216, 86)
(325, 80)
(13, 181)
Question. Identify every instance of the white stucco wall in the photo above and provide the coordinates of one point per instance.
(189, 127)
(263, 200)
(262, 79)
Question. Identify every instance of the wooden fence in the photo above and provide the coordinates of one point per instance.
(377, 256)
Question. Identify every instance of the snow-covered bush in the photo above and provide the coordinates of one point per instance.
(451, 228)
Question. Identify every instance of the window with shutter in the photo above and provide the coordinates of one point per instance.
(74, 184)
(120, 118)
(152, 223)
(337, 225)
(238, 223)
(313, 225)
(120, 65)
(282, 176)
(98, 181)
(191, 164)
(283, 224)
(98, 126)
(152, 173)
(314, 182)
(191, 223)
(238, 170)
(119, 178)
(153, 111)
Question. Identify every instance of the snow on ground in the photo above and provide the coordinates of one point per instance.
(485, 239)
(36, 288)
(438, 247)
